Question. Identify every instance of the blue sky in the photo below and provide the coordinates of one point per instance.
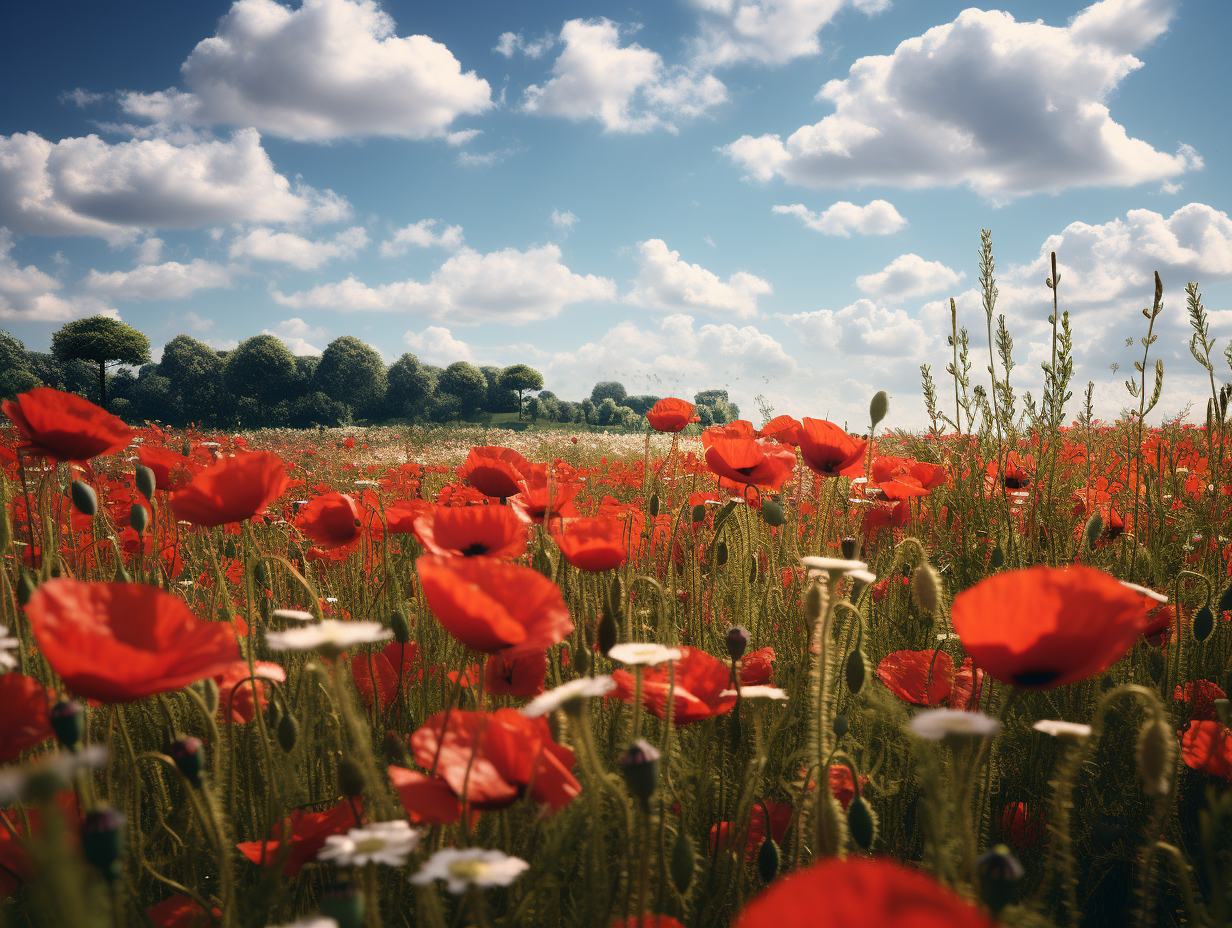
(773, 196)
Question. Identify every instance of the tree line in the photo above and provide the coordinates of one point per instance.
(260, 384)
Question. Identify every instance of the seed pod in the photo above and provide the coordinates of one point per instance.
(350, 777)
(856, 670)
(138, 518)
(840, 726)
(229, 549)
(1156, 754)
(102, 841)
(698, 514)
(401, 630)
(1203, 623)
(582, 661)
(683, 863)
(862, 823)
(769, 859)
(654, 505)
(605, 635)
(848, 547)
(878, 408)
(146, 481)
(189, 755)
(639, 763)
(1093, 529)
(26, 584)
(1000, 872)
(737, 641)
(288, 734)
(68, 721)
(925, 587)
(997, 558)
(772, 513)
(85, 500)
(720, 553)
(261, 574)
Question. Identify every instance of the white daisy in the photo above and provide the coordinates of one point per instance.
(832, 564)
(329, 636)
(7, 642)
(388, 843)
(297, 615)
(581, 688)
(645, 653)
(1059, 729)
(867, 576)
(470, 867)
(935, 724)
(756, 692)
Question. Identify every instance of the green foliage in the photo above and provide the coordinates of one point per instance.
(101, 340)
(352, 373)
(261, 370)
(641, 404)
(15, 374)
(195, 372)
(410, 384)
(521, 377)
(500, 398)
(316, 408)
(608, 389)
(466, 384)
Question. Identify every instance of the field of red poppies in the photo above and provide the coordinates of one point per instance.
(763, 677)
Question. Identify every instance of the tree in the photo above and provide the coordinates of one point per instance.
(641, 404)
(535, 410)
(410, 385)
(351, 372)
(15, 374)
(466, 382)
(721, 408)
(606, 413)
(589, 412)
(102, 340)
(606, 389)
(153, 399)
(196, 374)
(315, 408)
(261, 369)
(67, 376)
(520, 378)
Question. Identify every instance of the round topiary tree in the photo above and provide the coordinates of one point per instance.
(467, 383)
(410, 384)
(608, 389)
(262, 370)
(101, 340)
(519, 378)
(352, 373)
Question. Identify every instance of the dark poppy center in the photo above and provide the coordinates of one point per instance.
(1017, 483)
(745, 471)
(476, 550)
(1032, 678)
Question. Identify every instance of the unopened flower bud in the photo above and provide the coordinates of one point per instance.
(85, 500)
(698, 514)
(68, 721)
(848, 547)
(189, 757)
(925, 587)
(840, 726)
(654, 505)
(350, 778)
(401, 629)
(138, 518)
(25, 585)
(862, 823)
(1000, 872)
(737, 641)
(102, 840)
(1156, 755)
(769, 860)
(640, 765)
(288, 732)
(1203, 624)
(878, 408)
(856, 670)
(772, 513)
(1093, 529)
(605, 635)
(395, 750)
(683, 862)
(145, 481)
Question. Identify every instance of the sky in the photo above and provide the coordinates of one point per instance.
(774, 197)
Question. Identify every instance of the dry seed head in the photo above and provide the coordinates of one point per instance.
(926, 587)
(1156, 755)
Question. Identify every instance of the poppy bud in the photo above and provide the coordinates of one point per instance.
(772, 513)
(25, 585)
(1156, 755)
(862, 823)
(1093, 529)
(1203, 623)
(878, 408)
(189, 757)
(121, 575)
(229, 548)
(582, 661)
(840, 726)
(925, 587)
(209, 694)
(145, 481)
(769, 859)
(1000, 872)
(288, 732)
(261, 574)
(640, 765)
(606, 633)
(102, 840)
(344, 903)
(616, 594)
(683, 863)
(737, 641)
(85, 500)
(856, 670)
(350, 778)
(720, 553)
(654, 505)
(138, 518)
(997, 558)
(395, 750)
(68, 721)
(274, 715)
(848, 547)
(699, 513)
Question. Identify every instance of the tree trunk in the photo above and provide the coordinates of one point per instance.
(102, 384)
(519, 404)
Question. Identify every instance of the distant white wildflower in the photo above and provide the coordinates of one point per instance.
(756, 692)
(865, 576)
(330, 636)
(298, 615)
(935, 724)
(645, 653)
(366, 483)
(470, 867)
(832, 564)
(1145, 591)
(1063, 730)
(581, 688)
(388, 843)
(7, 642)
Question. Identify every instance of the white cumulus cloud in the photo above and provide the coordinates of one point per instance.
(628, 89)
(295, 333)
(329, 69)
(665, 282)
(510, 43)
(421, 235)
(85, 186)
(28, 294)
(168, 281)
(1004, 107)
(564, 221)
(907, 276)
(862, 329)
(289, 248)
(508, 286)
(436, 345)
(767, 31)
(878, 217)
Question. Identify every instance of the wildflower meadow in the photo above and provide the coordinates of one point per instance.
(760, 675)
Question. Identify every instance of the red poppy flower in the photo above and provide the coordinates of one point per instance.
(922, 678)
(757, 667)
(494, 471)
(427, 800)
(1045, 627)
(308, 833)
(1020, 827)
(700, 682)
(593, 545)
(522, 675)
(168, 466)
(1158, 628)
(828, 450)
(181, 912)
(648, 920)
(493, 606)
(236, 695)
(671, 415)
(472, 531)
(24, 721)
(538, 501)
(750, 461)
(332, 521)
(1201, 695)
(1015, 476)
(857, 891)
(783, 429)
(741, 428)
(232, 490)
(16, 865)
(400, 515)
(491, 759)
(386, 678)
(780, 818)
(1207, 746)
(120, 642)
(65, 427)
(842, 786)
